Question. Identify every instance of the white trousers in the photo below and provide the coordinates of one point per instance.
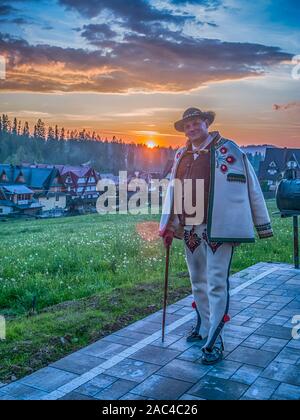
(209, 266)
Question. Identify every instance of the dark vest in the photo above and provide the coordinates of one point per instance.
(199, 168)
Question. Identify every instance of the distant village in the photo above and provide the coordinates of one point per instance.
(47, 190)
(50, 173)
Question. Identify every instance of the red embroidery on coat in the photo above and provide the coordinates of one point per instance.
(226, 318)
(223, 150)
(224, 168)
(230, 159)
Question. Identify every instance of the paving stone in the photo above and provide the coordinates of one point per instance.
(239, 320)
(184, 311)
(48, 379)
(103, 349)
(232, 343)
(96, 385)
(283, 372)
(247, 374)
(162, 388)
(169, 339)
(76, 396)
(295, 344)
(77, 363)
(224, 369)
(191, 354)
(259, 313)
(184, 370)
(184, 329)
(288, 355)
(212, 388)
(6, 397)
(142, 326)
(132, 397)
(19, 391)
(274, 331)
(236, 331)
(286, 392)
(238, 305)
(181, 345)
(125, 341)
(157, 318)
(156, 355)
(274, 345)
(138, 336)
(278, 320)
(251, 324)
(189, 397)
(116, 390)
(255, 341)
(261, 389)
(132, 370)
(251, 299)
(250, 356)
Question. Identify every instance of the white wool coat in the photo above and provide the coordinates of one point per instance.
(236, 203)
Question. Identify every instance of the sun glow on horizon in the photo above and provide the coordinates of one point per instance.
(151, 144)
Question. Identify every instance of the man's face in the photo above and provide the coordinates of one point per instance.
(196, 129)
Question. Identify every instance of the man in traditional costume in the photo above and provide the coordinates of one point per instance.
(233, 202)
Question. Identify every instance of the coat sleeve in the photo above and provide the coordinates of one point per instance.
(173, 222)
(260, 214)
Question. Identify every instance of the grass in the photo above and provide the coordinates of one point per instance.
(67, 282)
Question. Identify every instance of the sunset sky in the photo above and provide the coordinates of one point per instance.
(130, 68)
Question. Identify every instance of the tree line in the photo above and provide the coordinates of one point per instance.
(55, 145)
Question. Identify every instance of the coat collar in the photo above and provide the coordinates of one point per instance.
(215, 142)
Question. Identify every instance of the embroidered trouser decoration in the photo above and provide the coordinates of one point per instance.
(209, 268)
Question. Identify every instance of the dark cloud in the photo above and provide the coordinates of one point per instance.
(99, 34)
(143, 63)
(135, 14)
(6, 9)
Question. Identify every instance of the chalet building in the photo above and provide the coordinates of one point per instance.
(79, 185)
(17, 199)
(45, 183)
(276, 162)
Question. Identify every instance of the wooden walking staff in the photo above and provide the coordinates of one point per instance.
(165, 292)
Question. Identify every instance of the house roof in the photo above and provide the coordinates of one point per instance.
(34, 177)
(79, 171)
(17, 189)
(276, 162)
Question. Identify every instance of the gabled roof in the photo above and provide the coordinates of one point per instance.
(17, 189)
(37, 178)
(276, 162)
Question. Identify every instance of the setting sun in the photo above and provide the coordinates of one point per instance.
(150, 144)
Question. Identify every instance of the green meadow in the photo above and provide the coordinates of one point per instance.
(67, 282)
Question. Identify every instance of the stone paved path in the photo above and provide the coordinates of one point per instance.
(262, 361)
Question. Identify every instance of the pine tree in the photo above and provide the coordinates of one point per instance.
(40, 129)
(51, 134)
(26, 131)
(15, 126)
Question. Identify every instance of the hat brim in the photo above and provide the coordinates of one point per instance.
(210, 116)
